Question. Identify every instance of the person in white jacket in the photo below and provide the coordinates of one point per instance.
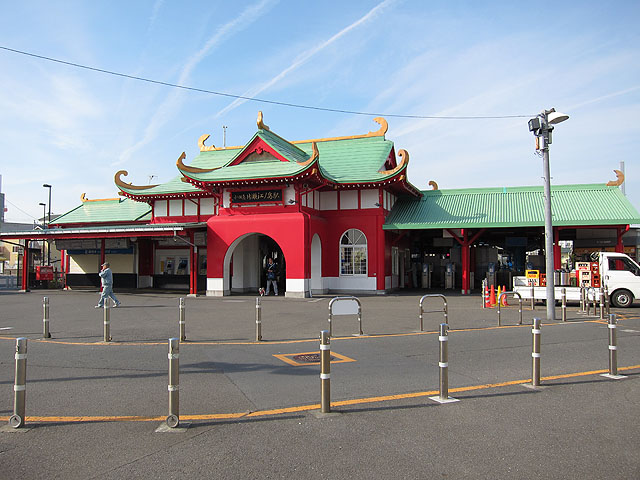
(106, 277)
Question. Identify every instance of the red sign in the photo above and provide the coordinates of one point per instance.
(44, 272)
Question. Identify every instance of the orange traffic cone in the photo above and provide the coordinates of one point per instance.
(504, 297)
(498, 295)
(492, 298)
(487, 301)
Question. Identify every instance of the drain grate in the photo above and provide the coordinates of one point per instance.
(309, 358)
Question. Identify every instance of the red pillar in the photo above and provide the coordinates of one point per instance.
(102, 254)
(619, 244)
(466, 267)
(25, 267)
(557, 251)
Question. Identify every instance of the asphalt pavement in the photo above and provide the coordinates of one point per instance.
(251, 409)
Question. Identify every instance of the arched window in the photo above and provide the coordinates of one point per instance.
(353, 253)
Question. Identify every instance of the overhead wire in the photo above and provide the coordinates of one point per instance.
(261, 100)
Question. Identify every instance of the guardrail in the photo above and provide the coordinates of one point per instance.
(444, 310)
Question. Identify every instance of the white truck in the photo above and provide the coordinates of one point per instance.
(618, 272)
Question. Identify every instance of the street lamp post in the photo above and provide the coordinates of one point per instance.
(46, 185)
(44, 225)
(542, 126)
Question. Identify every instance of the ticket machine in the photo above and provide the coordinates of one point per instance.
(450, 276)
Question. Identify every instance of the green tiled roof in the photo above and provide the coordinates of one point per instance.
(350, 160)
(176, 185)
(571, 205)
(106, 211)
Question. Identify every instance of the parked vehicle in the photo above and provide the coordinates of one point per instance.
(618, 272)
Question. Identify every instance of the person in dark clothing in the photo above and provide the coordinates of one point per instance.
(272, 273)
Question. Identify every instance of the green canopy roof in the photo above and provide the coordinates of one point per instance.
(116, 210)
(571, 205)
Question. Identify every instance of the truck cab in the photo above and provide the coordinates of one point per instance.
(622, 277)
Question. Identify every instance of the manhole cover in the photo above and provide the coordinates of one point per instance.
(309, 358)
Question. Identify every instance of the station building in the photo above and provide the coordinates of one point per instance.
(338, 215)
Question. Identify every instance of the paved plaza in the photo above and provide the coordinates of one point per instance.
(252, 409)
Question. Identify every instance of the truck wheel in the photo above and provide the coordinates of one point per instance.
(622, 298)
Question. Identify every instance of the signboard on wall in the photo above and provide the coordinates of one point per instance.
(257, 196)
(94, 243)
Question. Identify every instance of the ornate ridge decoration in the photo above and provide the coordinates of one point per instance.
(184, 168)
(314, 155)
(433, 185)
(120, 183)
(384, 126)
(619, 181)
(84, 198)
(261, 124)
(404, 155)
(203, 147)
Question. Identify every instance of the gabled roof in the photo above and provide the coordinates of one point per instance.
(571, 205)
(111, 210)
(346, 161)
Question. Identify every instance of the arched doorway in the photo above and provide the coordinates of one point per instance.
(245, 264)
(317, 286)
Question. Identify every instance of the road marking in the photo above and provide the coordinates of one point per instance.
(301, 408)
(288, 358)
(6, 328)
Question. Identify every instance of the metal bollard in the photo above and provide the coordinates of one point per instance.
(20, 385)
(533, 298)
(535, 354)
(444, 361)
(183, 333)
(325, 371)
(607, 299)
(483, 292)
(107, 320)
(173, 419)
(601, 295)
(258, 319)
(613, 345)
(564, 304)
(45, 318)
(583, 307)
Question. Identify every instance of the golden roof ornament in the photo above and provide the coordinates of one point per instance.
(619, 181)
(261, 125)
(203, 147)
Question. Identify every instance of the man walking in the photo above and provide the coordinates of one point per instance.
(106, 277)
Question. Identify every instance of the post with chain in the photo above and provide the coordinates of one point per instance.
(564, 304)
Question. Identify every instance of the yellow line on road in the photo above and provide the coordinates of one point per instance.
(301, 408)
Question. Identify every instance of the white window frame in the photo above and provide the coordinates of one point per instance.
(355, 246)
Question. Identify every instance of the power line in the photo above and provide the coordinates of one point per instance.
(10, 203)
(261, 100)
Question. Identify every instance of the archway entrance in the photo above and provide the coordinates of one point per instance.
(246, 263)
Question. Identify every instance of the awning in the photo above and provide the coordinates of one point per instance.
(113, 231)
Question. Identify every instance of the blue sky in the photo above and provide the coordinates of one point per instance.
(75, 128)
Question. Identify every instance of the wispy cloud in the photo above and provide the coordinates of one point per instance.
(304, 57)
(172, 103)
